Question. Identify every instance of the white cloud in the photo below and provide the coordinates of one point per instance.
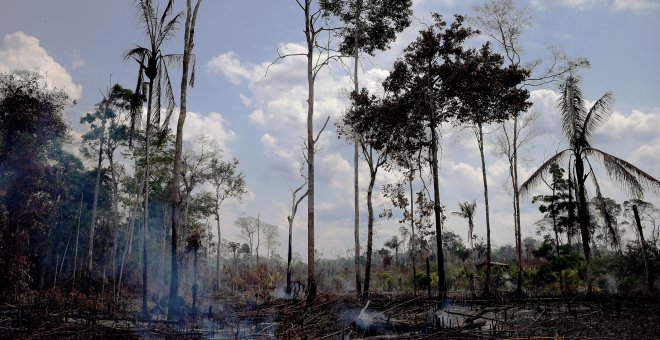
(615, 5)
(636, 5)
(578, 4)
(212, 125)
(22, 51)
(77, 62)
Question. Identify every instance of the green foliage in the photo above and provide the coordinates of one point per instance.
(628, 268)
(379, 22)
(32, 131)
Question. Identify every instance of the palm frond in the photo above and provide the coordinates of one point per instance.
(571, 109)
(169, 97)
(136, 105)
(605, 213)
(537, 177)
(148, 18)
(167, 11)
(139, 53)
(597, 115)
(632, 178)
(167, 31)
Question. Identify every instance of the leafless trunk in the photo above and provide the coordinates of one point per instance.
(442, 283)
(189, 32)
(356, 186)
(92, 227)
(310, 36)
(145, 225)
(75, 255)
(370, 229)
(294, 209)
(115, 222)
(650, 282)
(217, 263)
(412, 228)
(480, 140)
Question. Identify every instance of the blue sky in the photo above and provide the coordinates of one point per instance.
(260, 119)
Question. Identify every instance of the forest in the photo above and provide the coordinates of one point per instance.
(120, 230)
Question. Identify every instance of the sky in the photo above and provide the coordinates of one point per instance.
(259, 117)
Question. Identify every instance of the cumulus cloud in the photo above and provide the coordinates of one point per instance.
(615, 5)
(636, 5)
(22, 51)
(212, 125)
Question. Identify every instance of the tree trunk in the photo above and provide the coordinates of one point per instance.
(189, 31)
(412, 229)
(217, 262)
(75, 253)
(311, 39)
(92, 227)
(442, 284)
(370, 229)
(287, 291)
(356, 187)
(583, 216)
(428, 277)
(115, 223)
(163, 247)
(650, 282)
(194, 285)
(145, 225)
(516, 207)
(480, 140)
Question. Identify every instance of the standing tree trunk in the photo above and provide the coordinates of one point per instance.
(650, 282)
(480, 140)
(290, 218)
(145, 225)
(189, 31)
(442, 284)
(75, 252)
(92, 227)
(412, 229)
(356, 182)
(115, 223)
(516, 206)
(583, 215)
(217, 261)
(370, 229)
(310, 36)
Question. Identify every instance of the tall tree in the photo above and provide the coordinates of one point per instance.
(32, 129)
(371, 26)
(314, 28)
(378, 126)
(188, 43)
(417, 79)
(227, 182)
(95, 135)
(579, 124)
(504, 23)
(485, 92)
(153, 65)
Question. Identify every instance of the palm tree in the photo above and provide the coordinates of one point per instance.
(153, 65)
(467, 210)
(394, 244)
(579, 123)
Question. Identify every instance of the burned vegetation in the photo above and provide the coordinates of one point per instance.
(119, 230)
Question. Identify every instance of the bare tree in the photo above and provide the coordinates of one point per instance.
(188, 43)
(314, 27)
(248, 228)
(227, 182)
